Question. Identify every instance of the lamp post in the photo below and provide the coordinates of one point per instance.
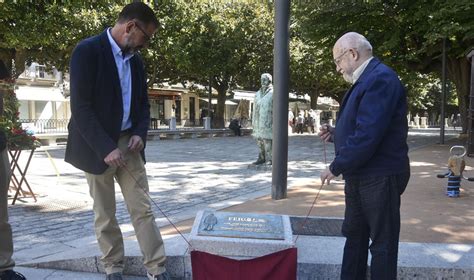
(443, 93)
(280, 100)
(470, 146)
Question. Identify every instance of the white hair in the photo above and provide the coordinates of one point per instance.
(356, 41)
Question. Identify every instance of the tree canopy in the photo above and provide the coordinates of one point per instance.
(228, 44)
(47, 32)
(406, 34)
(231, 42)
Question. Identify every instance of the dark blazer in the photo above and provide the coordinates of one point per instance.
(372, 127)
(96, 104)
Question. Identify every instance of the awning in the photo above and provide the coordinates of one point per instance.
(214, 101)
(40, 93)
(164, 92)
(245, 95)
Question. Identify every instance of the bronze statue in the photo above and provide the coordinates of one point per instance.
(262, 120)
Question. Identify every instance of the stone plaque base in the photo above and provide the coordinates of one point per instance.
(238, 247)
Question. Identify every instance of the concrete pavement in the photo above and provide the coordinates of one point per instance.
(185, 176)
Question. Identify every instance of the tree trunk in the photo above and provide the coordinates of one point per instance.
(219, 121)
(314, 98)
(5, 68)
(459, 74)
(7, 56)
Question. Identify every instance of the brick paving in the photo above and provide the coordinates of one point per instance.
(184, 176)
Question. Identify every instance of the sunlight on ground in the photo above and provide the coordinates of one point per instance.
(421, 163)
(412, 221)
(322, 203)
(454, 232)
(452, 253)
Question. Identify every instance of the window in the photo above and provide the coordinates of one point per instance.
(40, 71)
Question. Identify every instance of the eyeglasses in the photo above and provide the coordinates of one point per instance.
(147, 37)
(337, 60)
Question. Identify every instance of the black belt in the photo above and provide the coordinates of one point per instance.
(126, 131)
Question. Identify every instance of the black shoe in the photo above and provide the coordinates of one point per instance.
(11, 275)
(163, 276)
(114, 276)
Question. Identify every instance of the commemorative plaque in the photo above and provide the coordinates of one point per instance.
(241, 225)
(240, 235)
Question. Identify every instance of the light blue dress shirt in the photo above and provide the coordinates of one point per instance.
(125, 76)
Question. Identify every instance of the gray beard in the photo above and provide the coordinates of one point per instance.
(347, 78)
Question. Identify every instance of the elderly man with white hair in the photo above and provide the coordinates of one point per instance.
(372, 155)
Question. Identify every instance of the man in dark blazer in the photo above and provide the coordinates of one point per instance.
(372, 155)
(107, 134)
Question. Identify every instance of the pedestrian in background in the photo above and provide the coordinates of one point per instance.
(300, 122)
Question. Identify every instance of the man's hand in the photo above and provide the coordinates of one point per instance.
(135, 144)
(326, 133)
(115, 159)
(327, 176)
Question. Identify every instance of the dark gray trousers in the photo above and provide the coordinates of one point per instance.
(372, 213)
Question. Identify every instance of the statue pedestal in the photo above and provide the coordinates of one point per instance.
(416, 119)
(240, 235)
(424, 122)
(260, 167)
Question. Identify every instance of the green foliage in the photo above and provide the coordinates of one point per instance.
(232, 41)
(312, 70)
(17, 138)
(47, 32)
(10, 105)
(229, 43)
(405, 34)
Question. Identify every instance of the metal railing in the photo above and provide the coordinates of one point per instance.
(45, 126)
(164, 123)
(50, 126)
(156, 124)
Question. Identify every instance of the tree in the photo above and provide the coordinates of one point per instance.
(162, 57)
(229, 44)
(47, 32)
(312, 70)
(406, 34)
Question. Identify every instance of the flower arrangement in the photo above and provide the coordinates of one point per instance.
(20, 139)
(17, 137)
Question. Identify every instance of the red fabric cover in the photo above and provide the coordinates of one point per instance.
(277, 266)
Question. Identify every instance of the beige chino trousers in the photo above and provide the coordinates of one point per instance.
(109, 235)
(6, 242)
